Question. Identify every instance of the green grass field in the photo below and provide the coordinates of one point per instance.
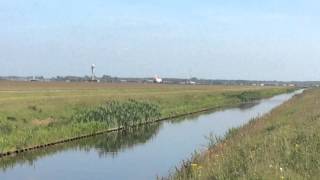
(38, 113)
(284, 144)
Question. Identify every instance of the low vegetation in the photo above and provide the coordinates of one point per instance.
(284, 144)
(38, 113)
(120, 114)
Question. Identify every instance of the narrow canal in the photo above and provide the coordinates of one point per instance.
(143, 153)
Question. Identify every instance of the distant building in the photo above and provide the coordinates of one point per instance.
(93, 75)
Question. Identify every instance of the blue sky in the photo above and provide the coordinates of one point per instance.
(218, 39)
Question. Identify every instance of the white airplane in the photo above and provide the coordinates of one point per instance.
(157, 79)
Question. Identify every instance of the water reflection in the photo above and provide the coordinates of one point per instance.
(246, 106)
(194, 117)
(104, 145)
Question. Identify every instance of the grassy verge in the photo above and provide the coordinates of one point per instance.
(38, 113)
(284, 144)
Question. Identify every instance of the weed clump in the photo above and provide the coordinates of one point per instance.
(120, 114)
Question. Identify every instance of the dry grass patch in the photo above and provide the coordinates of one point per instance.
(43, 122)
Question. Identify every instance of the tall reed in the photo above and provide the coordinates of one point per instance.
(120, 114)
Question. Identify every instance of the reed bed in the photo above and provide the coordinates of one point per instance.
(120, 114)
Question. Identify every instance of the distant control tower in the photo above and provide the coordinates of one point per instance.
(93, 76)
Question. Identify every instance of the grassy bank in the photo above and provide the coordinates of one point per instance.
(284, 144)
(38, 113)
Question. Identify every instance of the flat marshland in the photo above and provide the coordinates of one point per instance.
(34, 113)
(284, 144)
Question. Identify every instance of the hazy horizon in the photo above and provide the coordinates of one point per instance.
(165, 77)
(206, 39)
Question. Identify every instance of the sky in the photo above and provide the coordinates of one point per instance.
(214, 39)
